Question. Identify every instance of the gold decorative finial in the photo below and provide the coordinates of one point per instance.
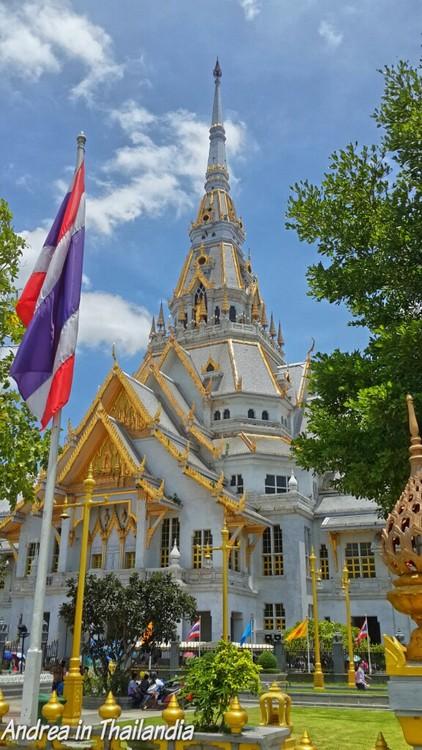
(235, 717)
(89, 482)
(113, 352)
(110, 709)
(305, 743)
(264, 321)
(173, 712)
(415, 449)
(53, 709)
(4, 707)
(381, 743)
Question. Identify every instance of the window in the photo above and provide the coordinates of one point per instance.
(33, 549)
(226, 414)
(232, 314)
(55, 557)
(217, 315)
(308, 545)
(217, 415)
(210, 367)
(96, 561)
(237, 481)
(275, 483)
(274, 616)
(272, 552)
(265, 415)
(201, 538)
(170, 533)
(360, 560)
(251, 414)
(323, 563)
(130, 559)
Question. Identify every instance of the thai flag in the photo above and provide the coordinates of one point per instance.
(363, 632)
(49, 308)
(195, 631)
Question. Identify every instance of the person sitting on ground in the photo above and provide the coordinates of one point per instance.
(360, 677)
(132, 690)
(154, 689)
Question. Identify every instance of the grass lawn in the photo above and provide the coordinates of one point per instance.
(344, 728)
(335, 728)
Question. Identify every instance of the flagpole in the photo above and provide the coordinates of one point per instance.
(200, 636)
(307, 645)
(31, 683)
(369, 646)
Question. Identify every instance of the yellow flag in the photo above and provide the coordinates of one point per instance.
(147, 634)
(300, 631)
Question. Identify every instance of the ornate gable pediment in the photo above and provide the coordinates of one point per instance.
(108, 465)
(124, 411)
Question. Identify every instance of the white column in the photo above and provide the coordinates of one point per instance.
(64, 545)
(141, 521)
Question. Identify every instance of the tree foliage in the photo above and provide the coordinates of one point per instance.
(366, 220)
(216, 677)
(23, 449)
(116, 616)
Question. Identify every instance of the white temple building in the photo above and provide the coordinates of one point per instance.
(200, 433)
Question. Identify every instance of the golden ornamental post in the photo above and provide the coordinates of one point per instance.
(345, 584)
(225, 548)
(73, 681)
(318, 673)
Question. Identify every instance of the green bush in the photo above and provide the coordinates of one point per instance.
(213, 679)
(267, 661)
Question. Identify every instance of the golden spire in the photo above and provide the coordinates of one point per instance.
(272, 327)
(255, 307)
(280, 340)
(225, 307)
(161, 325)
(264, 321)
(415, 449)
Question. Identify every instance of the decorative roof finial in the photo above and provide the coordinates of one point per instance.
(152, 332)
(113, 352)
(217, 72)
(280, 340)
(415, 449)
(272, 327)
(161, 323)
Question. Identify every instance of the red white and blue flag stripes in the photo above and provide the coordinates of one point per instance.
(49, 309)
(363, 632)
(195, 632)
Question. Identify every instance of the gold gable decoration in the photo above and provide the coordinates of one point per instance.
(108, 465)
(124, 411)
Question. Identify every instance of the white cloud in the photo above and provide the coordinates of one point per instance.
(329, 33)
(162, 167)
(38, 36)
(104, 318)
(108, 318)
(251, 8)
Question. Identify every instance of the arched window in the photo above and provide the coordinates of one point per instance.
(200, 296)
(324, 563)
(265, 415)
(217, 415)
(232, 313)
(251, 414)
(210, 367)
(217, 315)
(226, 414)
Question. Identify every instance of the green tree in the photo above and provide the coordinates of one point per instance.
(116, 616)
(23, 450)
(366, 220)
(216, 677)
(3, 571)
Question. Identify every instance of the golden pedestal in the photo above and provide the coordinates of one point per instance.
(73, 692)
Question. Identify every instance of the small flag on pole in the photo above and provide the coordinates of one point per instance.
(146, 635)
(247, 633)
(195, 632)
(49, 309)
(363, 632)
(300, 631)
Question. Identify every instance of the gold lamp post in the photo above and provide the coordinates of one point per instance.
(225, 548)
(318, 673)
(73, 681)
(345, 585)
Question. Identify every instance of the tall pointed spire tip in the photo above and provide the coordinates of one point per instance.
(217, 72)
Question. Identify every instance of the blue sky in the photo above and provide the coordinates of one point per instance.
(299, 80)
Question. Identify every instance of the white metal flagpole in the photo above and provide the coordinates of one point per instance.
(31, 683)
(200, 636)
(368, 642)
